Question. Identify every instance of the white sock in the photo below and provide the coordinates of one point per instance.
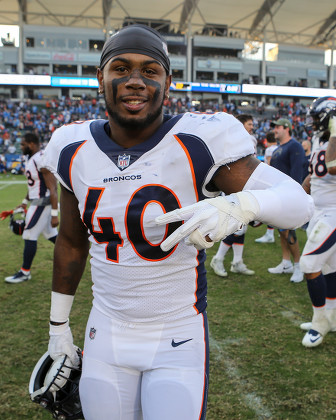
(237, 253)
(286, 263)
(270, 232)
(222, 250)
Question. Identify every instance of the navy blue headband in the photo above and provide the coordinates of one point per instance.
(139, 39)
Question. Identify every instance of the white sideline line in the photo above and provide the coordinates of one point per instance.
(5, 184)
(13, 182)
(253, 401)
(292, 318)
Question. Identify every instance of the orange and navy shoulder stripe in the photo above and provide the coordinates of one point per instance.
(66, 160)
(199, 157)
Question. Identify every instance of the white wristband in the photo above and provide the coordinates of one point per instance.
(60, 306)
(25, 201)
(54, 212)
(331, 164)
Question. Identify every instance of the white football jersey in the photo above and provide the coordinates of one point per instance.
(36, 185)
(270, 149)
(121, 191)
(323, 185)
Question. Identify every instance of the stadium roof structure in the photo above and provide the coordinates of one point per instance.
(297, 22)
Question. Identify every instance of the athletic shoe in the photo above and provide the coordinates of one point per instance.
(218, 267)
(280, 269)
(18, 277)
(306, 326)
(240, 267)
(312, 339)
(297, 276)
(331, 317)
(266, 239)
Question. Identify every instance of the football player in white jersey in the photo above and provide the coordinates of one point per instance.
(146, 187)
(42, 214)
(318, 259)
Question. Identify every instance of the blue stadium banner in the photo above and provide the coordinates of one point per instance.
(206, 87)
(82, 82)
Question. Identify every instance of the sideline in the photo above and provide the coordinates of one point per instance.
(252, 400)
(9, 182)
(5, 184)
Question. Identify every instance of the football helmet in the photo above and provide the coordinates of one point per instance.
(54, 384)
(321, 109)
(17, 221)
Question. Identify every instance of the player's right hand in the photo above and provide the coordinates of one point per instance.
(61, 342)
(209, 220)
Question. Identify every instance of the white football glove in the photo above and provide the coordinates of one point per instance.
(332, 125)
(215, 217)
(61, 342)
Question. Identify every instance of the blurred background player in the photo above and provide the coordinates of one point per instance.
(235, 241)
(271, 145)
(289, 157)
(42, 214)
(318, 260)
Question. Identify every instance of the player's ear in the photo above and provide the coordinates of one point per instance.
(100, 79)
(167, 85)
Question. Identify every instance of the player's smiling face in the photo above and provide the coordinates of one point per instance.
(134, 86)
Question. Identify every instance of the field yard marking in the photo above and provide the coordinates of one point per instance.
(5, 184)
(253, 401)
(292, 317)
(13, 182)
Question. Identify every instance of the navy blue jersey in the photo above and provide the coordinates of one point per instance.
(290, 159)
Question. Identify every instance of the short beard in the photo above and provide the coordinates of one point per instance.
(132, 123)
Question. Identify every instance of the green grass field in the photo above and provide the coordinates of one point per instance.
(258, 366)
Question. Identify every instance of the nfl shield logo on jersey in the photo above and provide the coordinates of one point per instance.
(123, 161)
(92, 333)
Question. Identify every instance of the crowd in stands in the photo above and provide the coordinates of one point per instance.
(44, 117)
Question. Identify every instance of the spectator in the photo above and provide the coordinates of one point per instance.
(3, 164)
(11, 149)
(271, 145)
(288, 157)
(306, 144)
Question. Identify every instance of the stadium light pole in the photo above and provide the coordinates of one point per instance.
(189, 57)
(263, 65)
(332, 67)
(20, 55)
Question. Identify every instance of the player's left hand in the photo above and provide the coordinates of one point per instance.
(332, 125)
(61, 342)
(210, 220)
(54, 221)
